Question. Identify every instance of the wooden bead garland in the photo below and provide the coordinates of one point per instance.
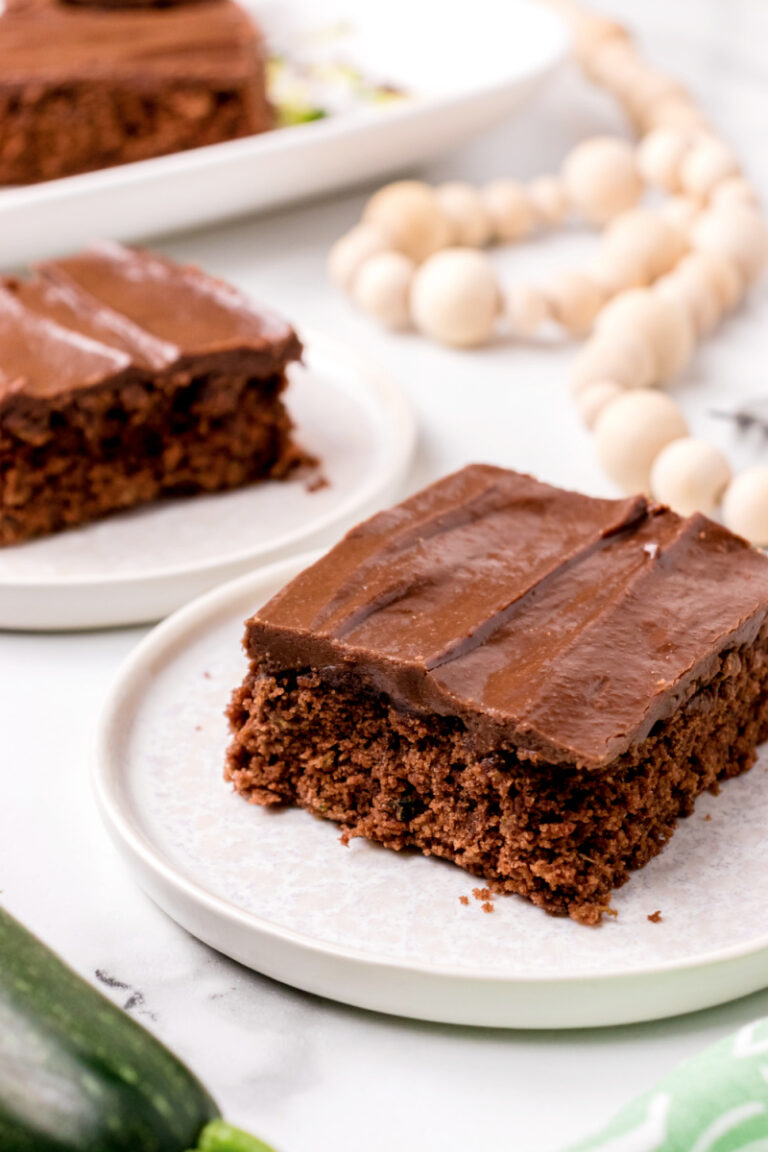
(664, 277)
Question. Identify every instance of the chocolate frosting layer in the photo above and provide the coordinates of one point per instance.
(110, 309)
(560, 624)
(35, 353)
(211, 40)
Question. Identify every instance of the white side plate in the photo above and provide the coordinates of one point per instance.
(141, 565)
(466, 67)
(387, 931)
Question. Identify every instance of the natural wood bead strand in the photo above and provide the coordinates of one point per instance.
(663, 278)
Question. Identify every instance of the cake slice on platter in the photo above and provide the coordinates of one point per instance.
(529, 682)
(83, 88)
(125, 377)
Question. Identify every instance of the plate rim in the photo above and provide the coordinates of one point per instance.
(403, 417)
(139, 849)
(191, 160)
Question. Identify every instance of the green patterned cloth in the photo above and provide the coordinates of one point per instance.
(714, 1102)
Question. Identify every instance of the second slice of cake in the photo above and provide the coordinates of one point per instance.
(125, 377)
(529, 682)
(83, 88)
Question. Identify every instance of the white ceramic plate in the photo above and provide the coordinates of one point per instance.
(387, 931)
(141, 565)
(466, 67)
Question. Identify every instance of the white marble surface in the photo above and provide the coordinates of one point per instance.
(307, 1074)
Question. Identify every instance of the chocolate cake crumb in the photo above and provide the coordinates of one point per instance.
(464, 900)
(481, 893)
(707, 817)
(655, 917)
(487, 907)
(317, 483)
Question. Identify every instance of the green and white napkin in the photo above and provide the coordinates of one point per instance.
(715, 1102)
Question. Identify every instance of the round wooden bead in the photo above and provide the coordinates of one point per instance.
(625, 74)
(638, 247)
(382, 288)
(601, 178)
(650, 88)
(681, 211)
(659, 322)
(734, 190)
(613, 65)
(408, 214)
(689, 287)
(509, 210)
(736, 232)
(705, 165)
(455, 297)
(659, 156)
(462, 205)
(724, 277)
(525, 308)
(690, 476)
(591, 32)
(548, 201)
(348, 254)
(745, 504)
(575, 300)
(591, 400)
(631, 431)
(719, 274)
(616, 270)
(627, 361)
(677, 113)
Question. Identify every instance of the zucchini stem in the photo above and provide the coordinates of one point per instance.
(218, 1136)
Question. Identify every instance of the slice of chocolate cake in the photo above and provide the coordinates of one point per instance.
(527, 681)
(124, 377)
(83, 88)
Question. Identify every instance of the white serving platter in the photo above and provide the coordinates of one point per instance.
(387, 931)
(467, 68)
(140, 565)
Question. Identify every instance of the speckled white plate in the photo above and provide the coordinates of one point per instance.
(388, 931)
(141, 565)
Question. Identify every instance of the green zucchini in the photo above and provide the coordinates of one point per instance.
(79, 1075)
